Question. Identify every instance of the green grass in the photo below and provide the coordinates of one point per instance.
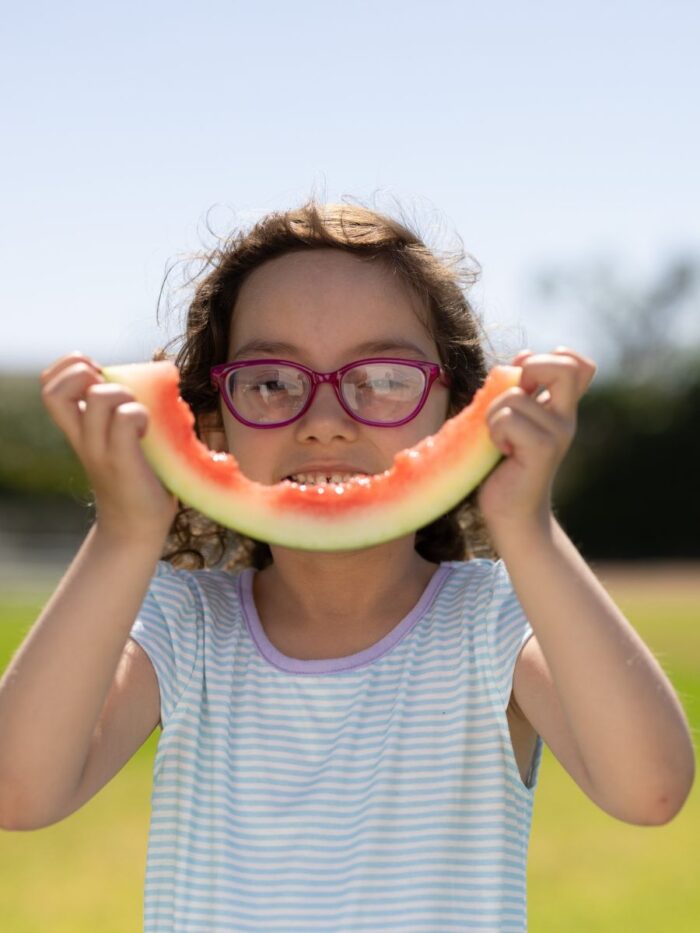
(85, 873)
(587, 871)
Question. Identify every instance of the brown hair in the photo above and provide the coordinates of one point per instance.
(440, 283)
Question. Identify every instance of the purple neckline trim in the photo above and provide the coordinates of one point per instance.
(333, 665)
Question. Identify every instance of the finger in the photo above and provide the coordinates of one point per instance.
(70, 359)
(530, 407)
(512, 431)
(558, 375)
(63, 396)
(587, 367)
(128, 425)
(101, 402)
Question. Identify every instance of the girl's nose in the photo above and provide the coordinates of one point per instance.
(326, 418)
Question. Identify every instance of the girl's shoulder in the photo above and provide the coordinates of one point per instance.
(481, 578)
(166, 571)
(193, 587)
(477, 568)
(473, 564)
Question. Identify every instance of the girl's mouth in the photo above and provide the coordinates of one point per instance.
(316, 478)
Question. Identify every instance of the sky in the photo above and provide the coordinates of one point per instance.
(544, 135)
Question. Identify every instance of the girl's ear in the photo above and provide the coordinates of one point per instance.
(211, 430)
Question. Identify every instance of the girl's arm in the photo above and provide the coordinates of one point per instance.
(620, 708)
(586, 677)
(53, 692)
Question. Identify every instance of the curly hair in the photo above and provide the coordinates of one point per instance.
(440, 282)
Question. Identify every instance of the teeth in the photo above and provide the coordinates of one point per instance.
(313, 479)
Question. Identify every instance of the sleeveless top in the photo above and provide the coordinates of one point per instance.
(373, 792)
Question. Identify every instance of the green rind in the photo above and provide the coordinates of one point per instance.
(254, 509)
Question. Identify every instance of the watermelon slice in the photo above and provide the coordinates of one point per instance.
(424, 481)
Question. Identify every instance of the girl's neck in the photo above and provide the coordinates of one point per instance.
(312, 593)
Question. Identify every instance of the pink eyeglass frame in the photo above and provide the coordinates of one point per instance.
(432, 371)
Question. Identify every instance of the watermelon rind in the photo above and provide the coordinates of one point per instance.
(423, 483)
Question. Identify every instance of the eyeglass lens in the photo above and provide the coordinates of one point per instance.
(268, 393)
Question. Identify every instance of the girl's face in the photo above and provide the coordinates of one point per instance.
(323, 308)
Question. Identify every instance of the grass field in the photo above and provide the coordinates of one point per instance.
(587, 871)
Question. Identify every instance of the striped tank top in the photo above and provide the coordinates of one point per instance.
(372, 792)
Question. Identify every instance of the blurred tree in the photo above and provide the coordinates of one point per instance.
(35, 457)
(43, 488)
(643, 332)
(627, 488)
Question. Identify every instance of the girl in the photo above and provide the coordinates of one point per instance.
(350, 741)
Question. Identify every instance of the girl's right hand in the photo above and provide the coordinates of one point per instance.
(104, 424)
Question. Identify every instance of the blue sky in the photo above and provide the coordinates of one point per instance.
(543, 134)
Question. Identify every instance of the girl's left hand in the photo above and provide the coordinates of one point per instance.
(534, 432)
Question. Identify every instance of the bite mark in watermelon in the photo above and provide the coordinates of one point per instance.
(424, 481)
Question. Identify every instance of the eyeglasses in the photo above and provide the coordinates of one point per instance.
(382, 391)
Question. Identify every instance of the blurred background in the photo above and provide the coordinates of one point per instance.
(558, 144)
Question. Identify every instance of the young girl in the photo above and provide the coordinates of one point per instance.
(350, 741)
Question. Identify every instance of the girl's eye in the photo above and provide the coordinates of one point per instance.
(382, 386)
(273, 388)
(269, 386)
